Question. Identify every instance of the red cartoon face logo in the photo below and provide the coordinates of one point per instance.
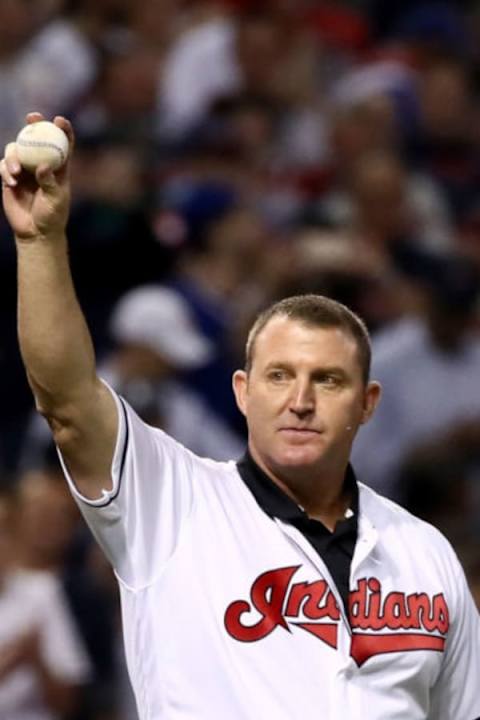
(393, 620)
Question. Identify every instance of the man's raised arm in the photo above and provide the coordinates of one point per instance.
(55, 343)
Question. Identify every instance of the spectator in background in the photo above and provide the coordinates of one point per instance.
(50, 540)
(360, 126)
(45, 520)
(45, 61)
(443, 142)
(120, 24)
(378, 209)
(429, 366)
(110, 111)
(111, 216)
(380, 201)
(340, 265)
(269, 54)
(226, 276)
(390, 205)
(158, 340)
(43, 664)
(184, 93)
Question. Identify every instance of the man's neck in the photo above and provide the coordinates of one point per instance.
(320, 492)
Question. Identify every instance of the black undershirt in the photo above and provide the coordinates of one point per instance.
(335, 548)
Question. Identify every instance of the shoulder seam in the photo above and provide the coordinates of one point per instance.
(113, 497)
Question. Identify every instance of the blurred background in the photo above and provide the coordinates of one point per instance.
(230, 153)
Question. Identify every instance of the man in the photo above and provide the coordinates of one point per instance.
(275, 588)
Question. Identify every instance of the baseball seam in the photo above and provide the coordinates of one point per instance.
(41, 144)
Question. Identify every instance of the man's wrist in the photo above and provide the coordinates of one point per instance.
(53, 238)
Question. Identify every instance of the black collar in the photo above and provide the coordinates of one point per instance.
(335, 548)
(274, 501)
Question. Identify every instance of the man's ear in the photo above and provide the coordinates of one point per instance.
(239, 384)
(371, 399)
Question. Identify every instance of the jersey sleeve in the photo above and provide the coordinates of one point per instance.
(138, 522)
(456, 693)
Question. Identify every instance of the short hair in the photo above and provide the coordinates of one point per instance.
(315, 311)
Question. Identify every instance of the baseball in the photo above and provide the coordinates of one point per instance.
(41, 143)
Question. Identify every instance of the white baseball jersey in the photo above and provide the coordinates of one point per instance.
(229, 612)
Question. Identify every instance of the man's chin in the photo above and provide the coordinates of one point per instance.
(298, 456)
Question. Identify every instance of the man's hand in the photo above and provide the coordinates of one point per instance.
(37, 205)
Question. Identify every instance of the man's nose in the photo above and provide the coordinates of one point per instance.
(302, 400)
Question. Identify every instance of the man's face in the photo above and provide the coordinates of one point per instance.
(304, 397)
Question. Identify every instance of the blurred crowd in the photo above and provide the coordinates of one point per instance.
(230, 153)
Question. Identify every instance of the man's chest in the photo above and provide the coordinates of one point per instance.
(269, 590)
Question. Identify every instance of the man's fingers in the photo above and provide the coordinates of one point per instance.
(45, 178)
(8, 180)
(11, 159)
(66, 126)
(34, 117)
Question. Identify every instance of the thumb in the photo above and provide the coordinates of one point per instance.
(46, 178)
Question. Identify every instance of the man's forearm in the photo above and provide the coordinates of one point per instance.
(55, 343)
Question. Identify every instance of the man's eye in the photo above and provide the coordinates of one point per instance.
(329, 380)
(277, 375)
